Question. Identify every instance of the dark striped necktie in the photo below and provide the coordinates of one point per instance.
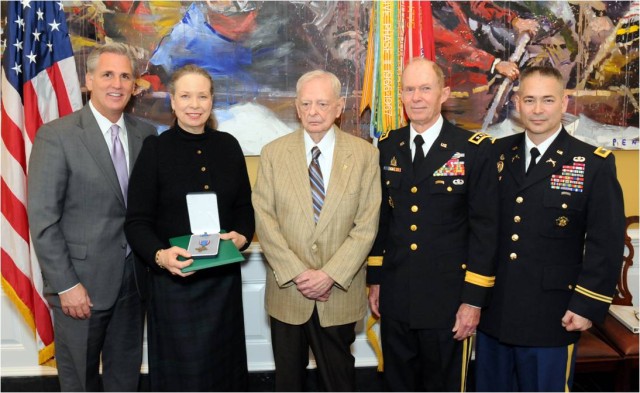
(317, 184)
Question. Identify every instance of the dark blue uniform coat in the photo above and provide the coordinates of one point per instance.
(560, 244)
(436, 243)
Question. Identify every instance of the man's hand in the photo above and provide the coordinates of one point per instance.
(76, 303)
(574, 322)
(324, 297)
(313, 284)
(530, 26)
(374, 299)
(508, 69)
(467, 318)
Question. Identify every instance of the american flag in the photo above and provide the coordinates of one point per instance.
(39, 84)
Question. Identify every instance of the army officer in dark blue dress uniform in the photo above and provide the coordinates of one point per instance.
(431, 266)
(560, 246)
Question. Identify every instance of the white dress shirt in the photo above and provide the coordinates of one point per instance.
(326, 146)
(429, 136)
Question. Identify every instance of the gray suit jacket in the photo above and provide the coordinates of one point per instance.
(338, 244)
(76, 209)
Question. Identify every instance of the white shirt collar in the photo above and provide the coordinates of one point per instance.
(542, 148)
(325, 145)
(104, 123)
(429, 135)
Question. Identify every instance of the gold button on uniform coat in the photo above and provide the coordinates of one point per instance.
(554, 253)
(430, 232)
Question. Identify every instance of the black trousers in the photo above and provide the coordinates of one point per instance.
(423, 359)
(331, 348)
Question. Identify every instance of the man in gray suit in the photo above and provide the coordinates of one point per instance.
(78, 178)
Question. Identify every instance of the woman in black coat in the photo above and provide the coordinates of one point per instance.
(195, 322)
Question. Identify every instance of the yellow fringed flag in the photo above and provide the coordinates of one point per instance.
(367, 84)
(398, 31)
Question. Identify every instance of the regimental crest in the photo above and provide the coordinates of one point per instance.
(562, 221)
(393, 165)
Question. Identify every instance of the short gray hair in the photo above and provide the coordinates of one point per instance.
(115, 47)
(335, 82)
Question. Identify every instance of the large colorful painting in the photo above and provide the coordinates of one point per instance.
(256, 50)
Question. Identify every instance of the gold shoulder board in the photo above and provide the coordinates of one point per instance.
(384, 135)
(478, 137)
(602, 152)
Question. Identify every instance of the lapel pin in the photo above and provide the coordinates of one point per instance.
(559, 152)
(444, 145)
(402, 143)
(500, 166)
(516, 157)
(501, 157)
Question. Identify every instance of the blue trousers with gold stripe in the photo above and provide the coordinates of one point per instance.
(509, 368)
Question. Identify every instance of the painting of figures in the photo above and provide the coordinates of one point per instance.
(256, 51)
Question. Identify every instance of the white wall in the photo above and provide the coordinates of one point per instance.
(18, 355)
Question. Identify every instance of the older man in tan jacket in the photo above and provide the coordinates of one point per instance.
(317, 202)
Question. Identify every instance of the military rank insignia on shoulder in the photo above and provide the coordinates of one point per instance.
(478, 137)
(384, 135)
(602, 152)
